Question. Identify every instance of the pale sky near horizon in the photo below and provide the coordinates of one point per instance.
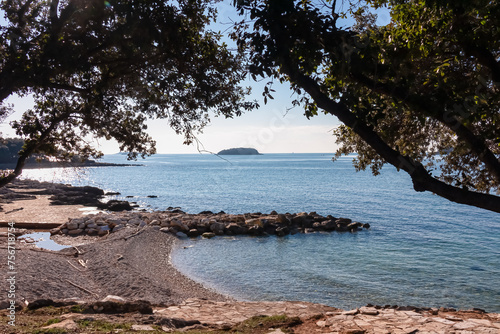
(273, 128)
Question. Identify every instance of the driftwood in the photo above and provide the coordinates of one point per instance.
(49, 251)
(82, 288)
(15, 210)
(79, 251)
(133, 235)
(33, 226)
(75, 266)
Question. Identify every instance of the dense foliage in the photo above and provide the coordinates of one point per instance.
(102, 68)
(9, 150)
(421, 93)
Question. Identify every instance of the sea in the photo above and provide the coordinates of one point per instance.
(421, 249)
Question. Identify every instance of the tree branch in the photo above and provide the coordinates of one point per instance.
(30, 148)
(428, 107)
(422, 180)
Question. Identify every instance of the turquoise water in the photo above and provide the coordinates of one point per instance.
(421, 250)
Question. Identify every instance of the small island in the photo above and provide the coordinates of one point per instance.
(239, 151)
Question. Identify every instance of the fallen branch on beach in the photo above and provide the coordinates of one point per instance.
(75, 266)
(82, 288)
(49, 251)
(79, 251)
(133, 235)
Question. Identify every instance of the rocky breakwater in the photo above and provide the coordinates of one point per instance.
(208, 224)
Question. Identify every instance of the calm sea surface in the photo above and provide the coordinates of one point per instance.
(421, 250)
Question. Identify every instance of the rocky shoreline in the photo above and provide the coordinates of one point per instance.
(118, 276)
(209, 224)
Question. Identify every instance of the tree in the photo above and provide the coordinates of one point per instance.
(102, 68)
(421, 93)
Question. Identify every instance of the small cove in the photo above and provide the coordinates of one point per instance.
(420, 250)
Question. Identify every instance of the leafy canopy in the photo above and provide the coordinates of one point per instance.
(102, 68)
(421, 93)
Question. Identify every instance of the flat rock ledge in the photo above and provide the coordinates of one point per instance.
(324, 319)
(208, 224)
(207, 315)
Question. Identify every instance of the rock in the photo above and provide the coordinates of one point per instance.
(368, 311)
(116, 205)
(270, 228)
(169, 323)
(92, 231)
(112, 193)
(142, 328)
(366, 225)
(39, 303)
(75, 232)
(343, 221)
(135, 221)
(208, 235)
(273, 213)
(254, 221)
(103, 230)
(329, 225)
(256, 230)
(283, 219)
(72, 225)
(351, 312)
(302, 220)
(6, 304)
(181, 235)
(179, 225)
(309, 230)
(112, 298)
(353, 331)
(54, 231)
(67, 324)
(165, 229)
(282, 231)
(235, 229)
(193, 233)
(112, 307)
(353, 227)
(217, 228)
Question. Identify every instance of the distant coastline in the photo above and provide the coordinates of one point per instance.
(60, 164)
(239, 151)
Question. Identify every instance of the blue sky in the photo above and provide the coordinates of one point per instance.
(273, 128)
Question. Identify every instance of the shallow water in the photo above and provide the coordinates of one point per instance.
(42, 240)
(421, 249)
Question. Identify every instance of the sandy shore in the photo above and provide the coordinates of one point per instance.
(137, 268)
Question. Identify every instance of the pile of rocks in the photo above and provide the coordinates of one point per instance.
(208, 224)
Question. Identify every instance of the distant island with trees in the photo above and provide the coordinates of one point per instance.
(239, 151)
(9, 154)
